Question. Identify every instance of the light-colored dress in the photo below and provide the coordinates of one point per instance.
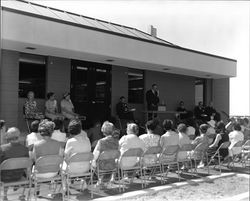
(127, 142)
(234, 137)
(150, 140)
(169, 138)
(52, 109)
(183, 139)
(68, 106)
(78, 144)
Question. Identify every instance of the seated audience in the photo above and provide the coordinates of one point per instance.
(170, 137)
(199, 112)
(210, 111)
(13, 149)
(235, 136)
(150, 139)
(67, 107)
(57, 134)
(2, 132)
(34, 136)
(131, 140)
(211, 131)
(95, 133)
(221, 137)
(30, 107)
(77, 143)
(123, 110)
(190, 128)
(51, 108)
(46, 146)
(109, 142)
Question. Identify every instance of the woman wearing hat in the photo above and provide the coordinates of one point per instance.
(67, 107)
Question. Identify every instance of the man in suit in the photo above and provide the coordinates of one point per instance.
(152, 98)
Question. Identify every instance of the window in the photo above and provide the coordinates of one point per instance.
(199, 90)
(32, 75)
(135, 86)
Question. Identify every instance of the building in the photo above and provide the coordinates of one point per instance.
(46, 49)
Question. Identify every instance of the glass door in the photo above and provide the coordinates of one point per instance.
(91, 90)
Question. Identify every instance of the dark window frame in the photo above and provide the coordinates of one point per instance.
(136, 89)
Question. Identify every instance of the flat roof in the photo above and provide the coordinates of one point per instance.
(66, 17)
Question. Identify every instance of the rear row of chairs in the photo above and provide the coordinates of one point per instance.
(147, 164)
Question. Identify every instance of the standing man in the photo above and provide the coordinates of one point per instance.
(152, 98)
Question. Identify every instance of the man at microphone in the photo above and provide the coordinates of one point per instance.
(152, 98)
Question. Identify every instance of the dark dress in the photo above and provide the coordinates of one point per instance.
(224, 138)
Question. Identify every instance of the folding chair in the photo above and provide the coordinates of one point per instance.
(236, 153)
(88, 174)
(137, 166)
(217, 156)
(150, 161)
(245, 153)
(167, 158)
(14, 164)
(198, 154)
(48, 164)
(107, 163)
(184, 153)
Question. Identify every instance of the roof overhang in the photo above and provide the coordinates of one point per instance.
(58, 38)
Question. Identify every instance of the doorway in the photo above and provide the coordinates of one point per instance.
(91, 90)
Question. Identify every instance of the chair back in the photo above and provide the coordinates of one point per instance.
(202, 147)
(80, 157)
(186, 147)
(153, 150)
(49, 163)
(238, 144)
(107, 160)
(224, 145)
(134, 152)
(109, 154)
(171, 150)
(16, 163)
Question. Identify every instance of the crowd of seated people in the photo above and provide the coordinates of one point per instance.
(48, 138)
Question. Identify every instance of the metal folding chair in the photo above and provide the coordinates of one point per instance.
(236, 155)
(136, 153)
(168, 158)
(48, 164)
(199, 154)
(245, 158)
(107, 164)
(150, 161)
(88, 174)
(216, 156)
(14, 164)
(184, 153)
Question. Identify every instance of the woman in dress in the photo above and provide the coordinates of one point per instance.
(67, 107)
(30, 107)
(51, 109)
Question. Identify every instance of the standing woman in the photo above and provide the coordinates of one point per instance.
(30, 107)
(51, 108)
(67, 107)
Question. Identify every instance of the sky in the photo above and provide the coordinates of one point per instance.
(217, 27)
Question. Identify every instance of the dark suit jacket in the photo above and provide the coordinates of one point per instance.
(152, 99)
